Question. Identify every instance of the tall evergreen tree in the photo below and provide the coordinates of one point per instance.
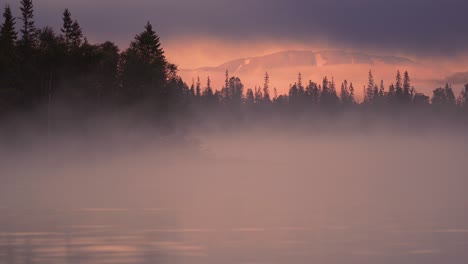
(8, 34)
(369, 92)
(398, 87)
(406, 87)
(76, 36)
(382, 89)
(9, 76)
(67, 28)
(198, 88)
(145, 69)
(258, 95)
(463, 98)
(249, 97)
(266, 89)
(344, 93)
(300, 87)
(192, 88)
(352, 100)
(28, 30)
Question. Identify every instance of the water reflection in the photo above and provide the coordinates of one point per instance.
(108, 236)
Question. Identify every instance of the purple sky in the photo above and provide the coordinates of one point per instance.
(416, 27)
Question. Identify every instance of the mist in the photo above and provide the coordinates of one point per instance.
(109, 154)
(268, 192)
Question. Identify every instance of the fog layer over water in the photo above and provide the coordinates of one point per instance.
(245, 195)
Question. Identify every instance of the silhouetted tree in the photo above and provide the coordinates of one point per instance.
(208, 94)
(369, 95)
(76, 36)
(28, 29)
(352, 100)
(398, 88)
(420, 99)
(406, 88)
(144, 69)
(266, 89)
(443, 96)
(9, 72)
(258, 95)
(198, 88)
(328, 96)
(66, 28)
(249, 98)
(8, 35)
(463, 98)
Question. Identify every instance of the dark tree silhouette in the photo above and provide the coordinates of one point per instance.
(9, 72)
(398, 88)
(369, 95)
(144, 69)
(266, 89)
(41, 67)
(66, 28)
(28, 29)
(406, 88)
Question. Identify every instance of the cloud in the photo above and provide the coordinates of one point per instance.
(417, 27)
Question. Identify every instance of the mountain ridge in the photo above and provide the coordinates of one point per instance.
(296, 58)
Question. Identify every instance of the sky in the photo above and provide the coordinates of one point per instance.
(210, 32)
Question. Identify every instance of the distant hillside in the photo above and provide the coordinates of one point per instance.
(303, 58)
(458, 78)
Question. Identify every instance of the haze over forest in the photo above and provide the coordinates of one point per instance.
(239, 132)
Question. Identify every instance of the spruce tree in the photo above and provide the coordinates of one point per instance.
(145, 70)
(76, 36)
(352, 100)
(382, 89)
(198, 88)
(266, 91)
(258, 95)
(344, 93)
(8, 34)
(406, 87)
(66, 28)
(249, 97)
(369, 92)
(398, 87)
(28, 30)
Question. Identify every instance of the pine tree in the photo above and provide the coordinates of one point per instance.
(300, 87)
(76, 36)
(225, 92)
(249, 97)
(8, 34)
(369, 91)
(344, 93)
(28, 30)
(443, 96)
(198, 88)
(258, 95)
(266, 91)
(66, 28)
(382, 89)
(463, 98)
(398, 87)
(352, 100)
(148, 46)
(208, 94)
(145, 70)
(192, 88)
(9, 76)
(450, 95)
(406, 87)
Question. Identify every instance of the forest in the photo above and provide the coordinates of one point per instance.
(60, 76)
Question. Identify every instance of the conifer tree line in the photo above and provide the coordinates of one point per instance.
(40, 66)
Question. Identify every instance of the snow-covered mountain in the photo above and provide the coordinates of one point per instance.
(293, 58)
